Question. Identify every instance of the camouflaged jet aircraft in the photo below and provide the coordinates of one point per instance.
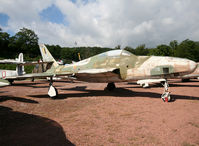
(117, 66)
(147, 82)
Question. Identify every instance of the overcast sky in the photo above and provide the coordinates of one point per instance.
(105, 23)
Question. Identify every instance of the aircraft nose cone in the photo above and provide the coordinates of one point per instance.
(184, 66)
(192, 65)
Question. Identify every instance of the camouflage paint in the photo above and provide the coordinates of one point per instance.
(121, 65)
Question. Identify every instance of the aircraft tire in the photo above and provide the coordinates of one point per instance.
(185, 80)
(11, 82)
(52, 92)
(110, 86)
(54, 97)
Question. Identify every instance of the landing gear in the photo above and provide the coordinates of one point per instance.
(52, 91)
(185, 80)
(166, 95)
(11, 81)
(110, 86)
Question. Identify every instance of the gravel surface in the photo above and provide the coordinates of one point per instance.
(85, 114)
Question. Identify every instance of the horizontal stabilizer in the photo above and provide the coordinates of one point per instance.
(9, 61)
(4, 83)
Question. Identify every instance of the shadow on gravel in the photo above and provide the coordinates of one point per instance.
(5, 98)
(3, 91)
(19, 128)
(118, 92)
(34, 85)
(26, 83)
(182, 85)
(158, 85)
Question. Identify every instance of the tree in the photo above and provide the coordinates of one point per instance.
(55, 50)
(173, 44)
(4, 41)
(188, 49)
(163, 50)
(130, 49)
(26, 41)
(118, 47)
(141, 50)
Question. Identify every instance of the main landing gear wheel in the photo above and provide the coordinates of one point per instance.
(166, 95)
(110, 86)
(11, 81)
(52, 91)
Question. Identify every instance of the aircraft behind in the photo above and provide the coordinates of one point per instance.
(9, 73)
(19, 73)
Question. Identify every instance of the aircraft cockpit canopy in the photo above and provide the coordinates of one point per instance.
(118, 53)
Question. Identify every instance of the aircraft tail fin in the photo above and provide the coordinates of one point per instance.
(20, 59)
(20, 69)
(46, 55)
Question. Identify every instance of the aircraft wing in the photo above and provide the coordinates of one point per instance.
(99, 75)
(4, 83)
(87, 71)
(9, 61)
(190, 76)
(34, 63)
(93, 75)
(37, 75)
(33, 75)
(96, 71)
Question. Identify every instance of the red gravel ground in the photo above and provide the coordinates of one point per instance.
(85, 114)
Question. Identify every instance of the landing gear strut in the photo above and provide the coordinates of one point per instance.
(11, 81)
(166, 95)
(110, 86)
(52, 91)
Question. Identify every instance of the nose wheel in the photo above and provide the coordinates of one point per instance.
(52, 91)
(166, 97)
(110, 87)
(166, 94)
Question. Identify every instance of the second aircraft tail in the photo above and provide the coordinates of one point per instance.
(46, 55)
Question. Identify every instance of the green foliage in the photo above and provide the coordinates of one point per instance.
(118, 47)
(163, 50)
(4, 42)
(26, 41)
(130, 49)
(188, 49)
(55, 50)
(29, 69)
(139, 50)
(71, 54)
(173, 45)
(8, 66)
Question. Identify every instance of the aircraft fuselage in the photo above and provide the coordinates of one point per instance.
(121, 65)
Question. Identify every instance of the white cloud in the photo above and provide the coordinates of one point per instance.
(108, 23)
(167, 21)
(143, 27)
